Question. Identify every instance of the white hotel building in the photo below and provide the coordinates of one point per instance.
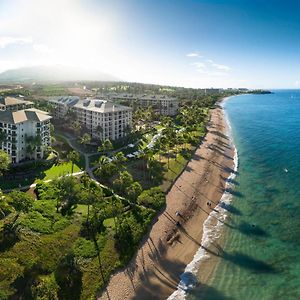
(161, 104)
(20, 125)
(103, 119)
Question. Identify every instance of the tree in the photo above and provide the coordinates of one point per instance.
(5, 208)
(134, 190)
(4, 162)
(85, 139)
(105, 147)
(67, 193)
(91, 193)
(76, 126)
(108, 146)
(45, 287)
(32, 143)
(73, 157)
(21, 202)
(120, 159)
(153, 198)
(106, 170)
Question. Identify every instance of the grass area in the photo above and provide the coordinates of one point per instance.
(175, 168)
(42, 171)
(60, 170)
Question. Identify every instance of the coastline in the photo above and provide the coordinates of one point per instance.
(157, 268)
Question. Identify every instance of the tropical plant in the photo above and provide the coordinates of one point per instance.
(4, 162)
(85, 139)
(73, 157)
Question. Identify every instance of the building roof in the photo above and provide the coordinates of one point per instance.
(157, 97)
(15, 117)
(7, 101)
(97, 105)
(38, 111)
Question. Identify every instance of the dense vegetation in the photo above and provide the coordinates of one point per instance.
(65, 243)
(63, 240)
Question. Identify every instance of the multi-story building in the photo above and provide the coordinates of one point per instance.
(25, 134)
(160, 103)
(102, 118)
(14, 104)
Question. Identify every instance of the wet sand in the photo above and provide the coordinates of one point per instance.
(154, 272)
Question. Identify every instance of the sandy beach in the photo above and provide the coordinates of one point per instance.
(154, 272)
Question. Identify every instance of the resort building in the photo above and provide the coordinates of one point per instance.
(14, 104)
(161, 104)
(164, 105)
(25, 134)
(102, 118)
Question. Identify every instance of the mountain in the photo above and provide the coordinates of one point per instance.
(53, 73)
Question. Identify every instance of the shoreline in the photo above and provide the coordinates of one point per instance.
(154, 273)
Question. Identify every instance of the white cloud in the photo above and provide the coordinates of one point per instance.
(42, 48)
(9, 40)
(193, 54)
(221, 67)
(199, 65)
(210, 61)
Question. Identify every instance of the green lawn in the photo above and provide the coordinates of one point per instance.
(60, 170)
(175, 168)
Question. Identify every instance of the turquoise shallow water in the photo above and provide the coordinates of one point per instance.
(261, 255)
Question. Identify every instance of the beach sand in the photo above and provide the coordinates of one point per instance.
(154, 272)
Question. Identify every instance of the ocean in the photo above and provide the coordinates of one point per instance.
(259, 256)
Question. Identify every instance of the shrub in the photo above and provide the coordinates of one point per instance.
(153, 198)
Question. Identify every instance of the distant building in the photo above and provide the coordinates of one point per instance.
(213, 91)
(162, 104)
(104, 119)
(14, 104)
(26, 133)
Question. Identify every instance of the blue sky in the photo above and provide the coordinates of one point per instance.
(204, 43)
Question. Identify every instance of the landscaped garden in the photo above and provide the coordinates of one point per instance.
(63, 240)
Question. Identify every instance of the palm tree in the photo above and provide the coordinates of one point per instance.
(76, 126)
(120, 159)
(105, 147)
(108, 146)
(99, 130)
(32, 143)
(73, 157)
(85, 139)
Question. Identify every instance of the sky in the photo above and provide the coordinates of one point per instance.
(190, 43)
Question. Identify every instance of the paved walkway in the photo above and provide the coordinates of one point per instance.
(87, 169)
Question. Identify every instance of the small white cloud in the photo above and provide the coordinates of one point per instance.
(9, 40)
(42, 48)
(210, 61)
(199, 65)
(221, 67)
(193, 54)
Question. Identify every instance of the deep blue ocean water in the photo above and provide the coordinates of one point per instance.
(260, 258)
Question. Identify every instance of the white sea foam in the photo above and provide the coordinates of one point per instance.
(212, 229)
